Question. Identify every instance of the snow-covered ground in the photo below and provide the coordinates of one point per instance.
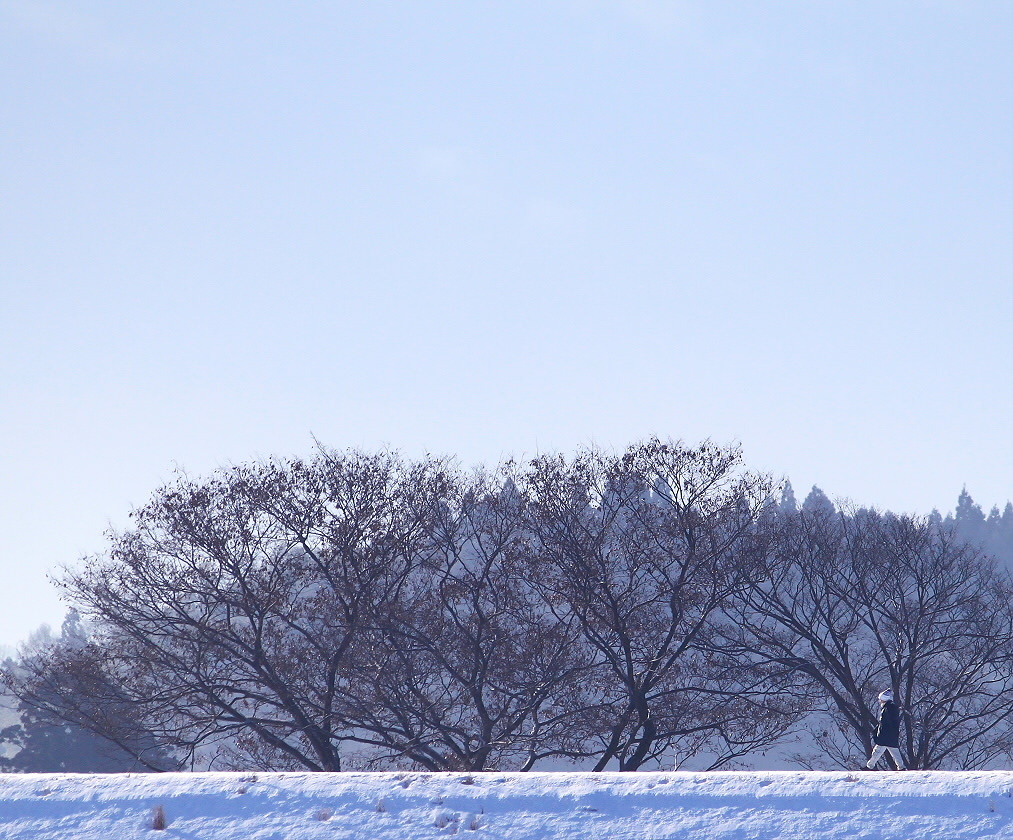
(517, 806)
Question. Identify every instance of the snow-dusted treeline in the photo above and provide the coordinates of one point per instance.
(993, 532)
(610, 610)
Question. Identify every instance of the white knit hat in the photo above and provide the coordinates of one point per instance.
(884, 696)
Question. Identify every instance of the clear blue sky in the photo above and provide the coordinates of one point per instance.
(496, 228)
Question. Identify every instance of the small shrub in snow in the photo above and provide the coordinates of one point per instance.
(468, 780)
(474, 824)
(380, 807)
(158, 818)
(444, 819)
(324, 814)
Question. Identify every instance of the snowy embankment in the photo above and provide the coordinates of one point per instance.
(513, 806)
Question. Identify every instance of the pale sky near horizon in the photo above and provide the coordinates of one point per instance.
(493, 229)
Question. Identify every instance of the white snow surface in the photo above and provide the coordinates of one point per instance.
(520, 806)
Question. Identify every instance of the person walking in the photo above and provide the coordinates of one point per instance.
(887, 737)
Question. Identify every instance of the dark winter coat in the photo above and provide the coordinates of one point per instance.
(888, 731)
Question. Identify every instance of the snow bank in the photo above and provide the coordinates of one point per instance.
(513, 806)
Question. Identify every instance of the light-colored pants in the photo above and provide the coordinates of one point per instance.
(878, 752)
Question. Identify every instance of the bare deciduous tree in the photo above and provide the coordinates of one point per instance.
(231, 613)
(471, 661)
(641, 549)
(856, 603)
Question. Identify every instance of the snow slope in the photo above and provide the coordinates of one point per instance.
(518, 806)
